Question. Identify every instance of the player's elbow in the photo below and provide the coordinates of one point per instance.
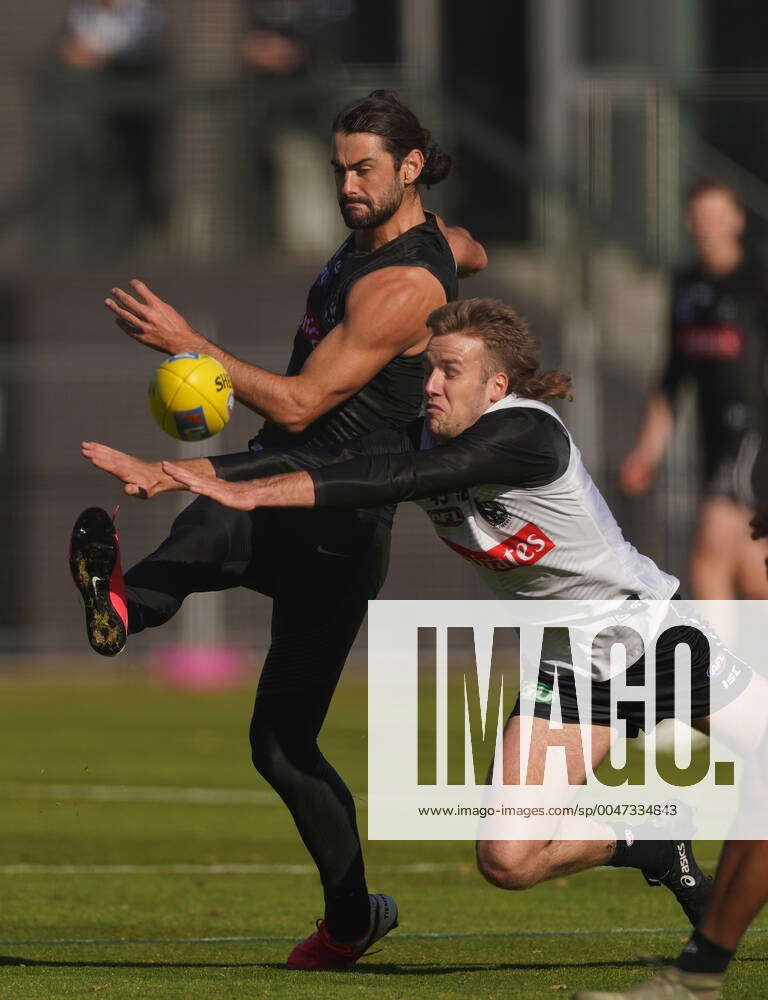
(300, 416)
(308, 403)
(294, 422)
(298, 411)
(476, 260)
(473, 259)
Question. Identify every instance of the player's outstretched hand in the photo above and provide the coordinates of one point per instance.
(141, 479)
(239, 496)
(145, 317)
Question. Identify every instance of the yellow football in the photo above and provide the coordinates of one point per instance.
(191, 396)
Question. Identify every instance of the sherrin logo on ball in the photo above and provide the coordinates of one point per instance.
(191, 397)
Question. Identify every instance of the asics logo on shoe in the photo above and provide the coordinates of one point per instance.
(686, 879)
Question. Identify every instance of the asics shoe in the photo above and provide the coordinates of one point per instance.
(321, 952)
(685, 880)
(94, 562)
(669, 984)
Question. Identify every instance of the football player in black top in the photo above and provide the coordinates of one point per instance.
(719, 332)
(355, 368)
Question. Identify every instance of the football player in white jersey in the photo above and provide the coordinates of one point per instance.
(504, 485)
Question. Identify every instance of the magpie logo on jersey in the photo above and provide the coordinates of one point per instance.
(494, 513)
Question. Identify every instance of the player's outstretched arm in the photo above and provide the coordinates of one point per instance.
(500, 448)
(295, 489)
(141, 479)
(385, 316)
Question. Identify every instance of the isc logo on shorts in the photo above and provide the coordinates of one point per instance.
(524, 548)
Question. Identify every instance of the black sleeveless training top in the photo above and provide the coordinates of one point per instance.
(394, 396)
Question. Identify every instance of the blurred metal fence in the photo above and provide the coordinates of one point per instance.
(232, 217)
(640, 142)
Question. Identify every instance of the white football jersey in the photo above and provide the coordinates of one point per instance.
(538, 543)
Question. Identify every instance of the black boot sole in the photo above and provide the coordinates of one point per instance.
(92, 557)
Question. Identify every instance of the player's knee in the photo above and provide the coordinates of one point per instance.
(502, 868)
(208, 526)
(280, 757)
(266, 755)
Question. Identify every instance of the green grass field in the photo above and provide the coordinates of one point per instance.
(127, 809)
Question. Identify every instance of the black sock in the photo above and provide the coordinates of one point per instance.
(347, 913)
(652, 856)
(703, 955)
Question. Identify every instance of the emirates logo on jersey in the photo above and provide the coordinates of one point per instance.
(524, 548)
(309, 328)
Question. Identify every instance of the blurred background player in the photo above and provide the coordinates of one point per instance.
(355, 367)
(718, 339)
(289, 52)
(107, 151)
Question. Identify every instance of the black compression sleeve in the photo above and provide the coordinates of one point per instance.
(518, 446)
(276, 461)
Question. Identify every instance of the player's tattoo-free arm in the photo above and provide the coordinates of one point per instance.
(469, 254)
(639, 467)
(516, 449)
(295, 489)
(384, 317)
(277, 461)
(146, 479)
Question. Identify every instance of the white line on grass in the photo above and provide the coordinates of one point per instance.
(160, 794)
(417, 868)
(426, 936)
